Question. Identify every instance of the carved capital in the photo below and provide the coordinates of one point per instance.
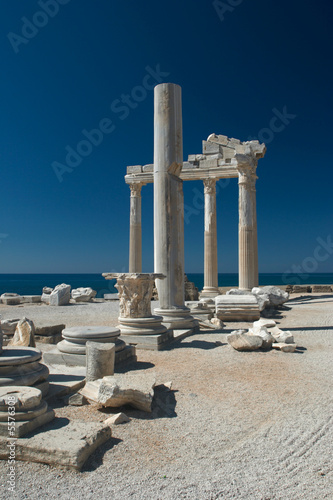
(135, 188)
(247, 176)
(209, 186)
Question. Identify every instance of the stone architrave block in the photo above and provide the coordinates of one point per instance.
(209, 148)
(134, 169)
(208, 163)
(188, 164)
(219, 139)
(237, 308)
(148, 168)
(61, 295)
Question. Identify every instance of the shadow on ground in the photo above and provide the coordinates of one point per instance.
(135, 366)
(96, 459)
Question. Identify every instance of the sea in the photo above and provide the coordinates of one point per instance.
(32, 284)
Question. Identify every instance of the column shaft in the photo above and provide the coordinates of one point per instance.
(210, 271)
(169, 206)
(135, 249)
(247, 230)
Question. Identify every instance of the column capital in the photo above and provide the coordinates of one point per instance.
(247, 176)
(135, 188)
(209, 186)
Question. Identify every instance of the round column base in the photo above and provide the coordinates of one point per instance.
(177, 318)
(209, 292)
(142, 326)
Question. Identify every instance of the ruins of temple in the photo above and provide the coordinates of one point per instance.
(221, 158)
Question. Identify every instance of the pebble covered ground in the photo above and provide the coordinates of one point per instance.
(235, 425)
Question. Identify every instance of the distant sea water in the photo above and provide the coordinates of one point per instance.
(32, 284)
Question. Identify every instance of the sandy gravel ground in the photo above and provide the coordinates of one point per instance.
(235, 426)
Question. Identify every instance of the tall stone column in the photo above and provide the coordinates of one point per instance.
(169, 207)
(255, 235)
(248, 257)
(210, 273)
(135, 248)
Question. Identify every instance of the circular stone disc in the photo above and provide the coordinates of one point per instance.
(25, 415)
(91, 331)
(19, 355)
(25, 397)
(30, 378)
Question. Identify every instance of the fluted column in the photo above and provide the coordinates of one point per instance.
(210, 272)
(168, 206)
(255, 235)
(248, 258)
(135, 248)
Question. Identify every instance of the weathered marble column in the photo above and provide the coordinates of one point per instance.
(135, 248)
(169, 207)
(248, 257)
(255, 234)
(210, 273)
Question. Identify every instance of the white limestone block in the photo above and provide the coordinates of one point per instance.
(281, 346)
(83, 294)
(134, 169)
(24, 334)
(243, 342)
(118, 418)
(61, 295)
(267, 323)
(237, 308)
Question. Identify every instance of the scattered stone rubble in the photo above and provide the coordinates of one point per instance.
(309, 288)
(134, 389)
(263, 335)
(267, 296)
(24, 334)
(61, 295)
(83, 294)
(10, 299)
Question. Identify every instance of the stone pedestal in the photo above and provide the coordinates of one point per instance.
(169, 206)
(248, 245)
(210, 272)
(29, 414)
(21, 366)
(72, 349)
(135, 249)
(137, 324)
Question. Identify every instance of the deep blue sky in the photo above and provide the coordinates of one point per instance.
(263, 55)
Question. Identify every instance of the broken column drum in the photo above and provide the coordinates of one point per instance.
(169, 206)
